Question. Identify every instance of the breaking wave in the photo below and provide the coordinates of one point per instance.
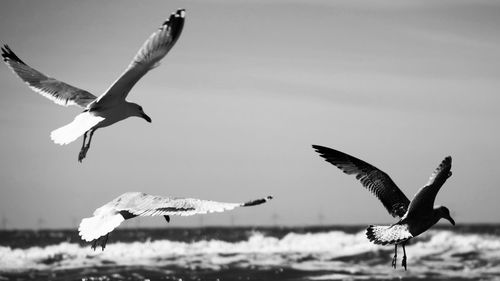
(437, 253)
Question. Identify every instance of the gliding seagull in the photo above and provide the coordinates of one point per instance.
(416, 216)
(111, 106)
(96, 229)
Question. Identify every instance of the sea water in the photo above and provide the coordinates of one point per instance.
(467, 252)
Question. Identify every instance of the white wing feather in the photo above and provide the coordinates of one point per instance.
(109, 216)
(182, 207)
(147, 58)
(53, 89)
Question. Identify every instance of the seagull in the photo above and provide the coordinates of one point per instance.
(96, 229)
(415, 216)
(111, 106)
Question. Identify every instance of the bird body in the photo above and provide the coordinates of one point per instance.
(95, 118)
(110, 107)
(132, 204)
(415, 216)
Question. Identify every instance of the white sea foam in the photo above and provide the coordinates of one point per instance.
(438, 252)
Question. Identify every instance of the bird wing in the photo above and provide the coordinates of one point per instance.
(148, 57)
(423, 201)
(375, 180)
(151, 205)
(132, 204)
(53, 89)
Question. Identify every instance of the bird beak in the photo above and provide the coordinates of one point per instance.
(147, 118)
(451, 220)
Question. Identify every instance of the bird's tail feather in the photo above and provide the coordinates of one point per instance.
(82, 123)
(94, 227)
(388, 234)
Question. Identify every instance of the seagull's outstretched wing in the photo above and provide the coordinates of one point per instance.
(132, 204)
(55, 90)
(148, 57)
(423, 202)
(150, 205)
(375, 180)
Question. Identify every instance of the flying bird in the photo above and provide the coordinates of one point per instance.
(111, 106)
(96, 229)
(415, 216)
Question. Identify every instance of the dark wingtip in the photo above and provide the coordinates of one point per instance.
(5, 52)
(315, 146)
(257, 201)
(179, 14)
(446, 161)
(8, 54)
(322, 151)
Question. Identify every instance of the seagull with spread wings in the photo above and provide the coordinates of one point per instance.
(96, 229)
(111, 106)
(415, 216)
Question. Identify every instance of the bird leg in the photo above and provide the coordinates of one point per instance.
(81, 154)
(403, 263)
(85, 147)
(94, 244)
(100, 241)
(167, 218)
(105, 240)
(394, 259)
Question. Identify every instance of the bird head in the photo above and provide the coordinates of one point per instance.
(445, 214)
(139, 112)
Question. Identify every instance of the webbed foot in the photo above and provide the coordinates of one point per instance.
(394, 260)
(83, 153)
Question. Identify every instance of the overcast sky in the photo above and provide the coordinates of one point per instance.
(239, 100)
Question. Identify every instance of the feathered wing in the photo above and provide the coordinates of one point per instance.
(375, 180)
(151, 205)
(53, 89)
(423, 201)
(148, 57)
(69, 133)
(441, 173)
(132, 204)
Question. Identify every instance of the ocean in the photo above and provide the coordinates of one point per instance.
(464, 252)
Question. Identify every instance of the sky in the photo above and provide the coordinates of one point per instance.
(242, 96)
